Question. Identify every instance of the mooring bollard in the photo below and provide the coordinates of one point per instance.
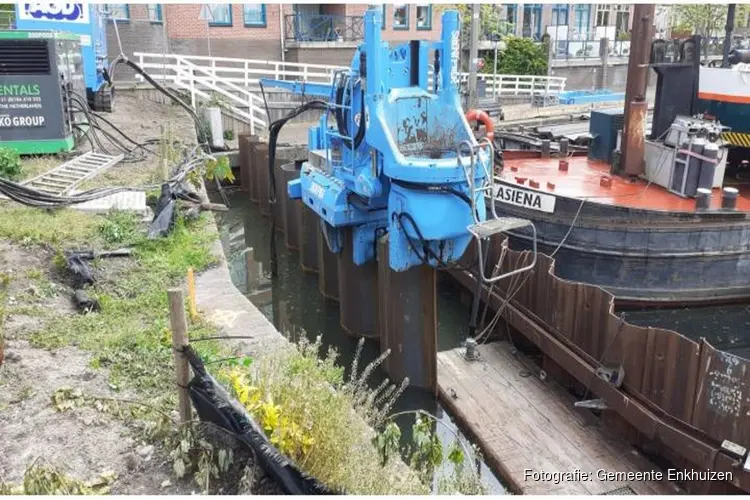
(729, 198)
(178, 323)
(702, 199)
(546, 147)
(358, 292)
(328, 269)
(563, 147)
(407, 321)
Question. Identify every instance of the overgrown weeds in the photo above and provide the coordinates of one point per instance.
(130, 335)
(33, 226)
(43, 479)
(305, 406)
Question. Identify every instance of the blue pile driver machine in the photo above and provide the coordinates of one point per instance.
(401, 157)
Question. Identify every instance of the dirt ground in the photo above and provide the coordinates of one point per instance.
(81, 441)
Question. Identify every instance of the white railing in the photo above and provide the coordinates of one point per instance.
(236, 80)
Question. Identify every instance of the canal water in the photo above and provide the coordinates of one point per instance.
(292, 302)
(723, 327)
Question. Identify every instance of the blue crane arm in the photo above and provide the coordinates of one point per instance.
(304, 88)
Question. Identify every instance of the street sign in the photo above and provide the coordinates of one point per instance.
(207, 13)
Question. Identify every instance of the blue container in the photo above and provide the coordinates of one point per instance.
(603, 128)
(82, 19)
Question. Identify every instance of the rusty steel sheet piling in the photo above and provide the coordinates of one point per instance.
(358, 293)
(245, 139)
(287, 172)
(328, 269)
(292, 222)
(308, 230)
(686, 397)
(252, 169)
(407, 321)
(278, 204)
(259, 172)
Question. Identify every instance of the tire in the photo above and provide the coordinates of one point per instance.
(104, 99)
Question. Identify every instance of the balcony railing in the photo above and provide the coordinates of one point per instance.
(323, 28)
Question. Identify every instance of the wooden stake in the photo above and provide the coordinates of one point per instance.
(191, 294)
(180, 341)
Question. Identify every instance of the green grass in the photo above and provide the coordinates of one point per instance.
(37, 165)
(33, 226)
(130, 336)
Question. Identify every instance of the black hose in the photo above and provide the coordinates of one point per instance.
(202, 134)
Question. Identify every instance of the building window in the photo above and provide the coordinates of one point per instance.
(400, 16)
(511, 14)
(424, 17)
(622, 22)
(602, 15)
(154, 13)
(560, 14)
(583, 15)
(222, 14)
(532, 21)
(117, 11)
(255, 14)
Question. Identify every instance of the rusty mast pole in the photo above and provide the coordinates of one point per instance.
(635, 90)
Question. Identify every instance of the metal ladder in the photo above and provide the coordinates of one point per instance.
(62, 179)
(482, 230)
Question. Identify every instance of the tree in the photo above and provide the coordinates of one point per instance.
(522, 57)
(706, 20)
(491, 21)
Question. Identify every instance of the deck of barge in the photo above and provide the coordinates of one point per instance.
(582, 181)
(522, 422)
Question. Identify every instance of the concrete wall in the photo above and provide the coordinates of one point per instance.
(587, 76)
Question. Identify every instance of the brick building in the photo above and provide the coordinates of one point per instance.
(312, 33)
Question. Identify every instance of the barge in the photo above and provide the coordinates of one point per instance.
(646, 238)
(642, 243)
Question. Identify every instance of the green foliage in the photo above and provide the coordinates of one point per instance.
(427, 452)
(130, 335)
(10, 164)
(228, 135)
(305, 407)
(704, 19)
(120, 227)
(219, 169)
(289, 394)
(42, 479)
(491, 21)
(522, 57)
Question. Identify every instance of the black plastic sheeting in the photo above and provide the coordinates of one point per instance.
(213, 404)
(165, 212)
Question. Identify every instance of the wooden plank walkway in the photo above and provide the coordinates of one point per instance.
(522, 422)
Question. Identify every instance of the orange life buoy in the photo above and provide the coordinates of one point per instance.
(484, 118)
